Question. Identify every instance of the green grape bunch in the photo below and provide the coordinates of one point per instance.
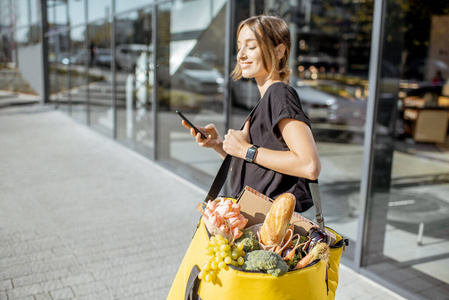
(220, 254)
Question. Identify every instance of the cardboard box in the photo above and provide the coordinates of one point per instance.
(255, 206)
(431, 126)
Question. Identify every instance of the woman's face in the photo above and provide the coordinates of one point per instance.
(249, 56)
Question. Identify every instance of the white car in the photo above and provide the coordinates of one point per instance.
(315, 103)
(103, 57)
(126, 55)
(196, 75)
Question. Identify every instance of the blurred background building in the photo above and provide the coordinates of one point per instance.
(372, 76)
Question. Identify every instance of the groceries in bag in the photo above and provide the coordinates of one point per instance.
(271, 247)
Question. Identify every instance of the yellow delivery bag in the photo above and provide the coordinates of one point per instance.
(316, 281)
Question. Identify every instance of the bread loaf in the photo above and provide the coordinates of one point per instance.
(277, 220)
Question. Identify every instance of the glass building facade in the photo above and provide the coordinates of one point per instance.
(372, 76)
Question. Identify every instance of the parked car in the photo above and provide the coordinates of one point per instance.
(315, 103)
(66, 58)
(126, 55)
(194, 74)
(103, 57)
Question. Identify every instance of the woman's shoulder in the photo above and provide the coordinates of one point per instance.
(277, 86)
(281, 90)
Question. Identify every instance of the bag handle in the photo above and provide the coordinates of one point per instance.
(315, 192)
(193, 283)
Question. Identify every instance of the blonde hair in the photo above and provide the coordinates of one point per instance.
(270, 32)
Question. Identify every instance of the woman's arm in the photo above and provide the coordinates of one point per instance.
(302, 160)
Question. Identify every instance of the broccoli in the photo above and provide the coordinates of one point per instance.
(264, 260)
(249, 241)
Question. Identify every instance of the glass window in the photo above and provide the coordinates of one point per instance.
(59, 70)
(78, 72)
(34, 13)
(99, 9)
(125, 5)
(51, 15)
(35, 33)
(5, 14)
(5, 45)
(35, 26)
(100, 77)
(189, 74)
(77, 13)
(61, 13)
(57, 14)
(53, 67)
(21, 14)
(134, 79)
(22, 36)
(5, 32)
(408, 207)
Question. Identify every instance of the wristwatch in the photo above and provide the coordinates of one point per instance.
(251, 153)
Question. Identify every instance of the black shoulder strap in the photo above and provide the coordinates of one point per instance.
(222, 174)
(219, 179)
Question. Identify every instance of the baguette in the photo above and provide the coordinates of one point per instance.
(277, 220)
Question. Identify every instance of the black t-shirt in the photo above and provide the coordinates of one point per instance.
(280, 101)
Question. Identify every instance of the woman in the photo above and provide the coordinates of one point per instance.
(275, 151)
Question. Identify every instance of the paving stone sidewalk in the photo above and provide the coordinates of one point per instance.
(82, 217)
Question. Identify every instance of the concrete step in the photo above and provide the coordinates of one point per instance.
(7, 95)
(100, 101)
(8, 98)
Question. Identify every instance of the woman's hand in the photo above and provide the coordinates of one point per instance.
(213, 140)
(237, 142)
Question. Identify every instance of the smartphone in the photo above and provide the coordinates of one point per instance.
(190, 124)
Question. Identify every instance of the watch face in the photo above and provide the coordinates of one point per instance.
(250, 154)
